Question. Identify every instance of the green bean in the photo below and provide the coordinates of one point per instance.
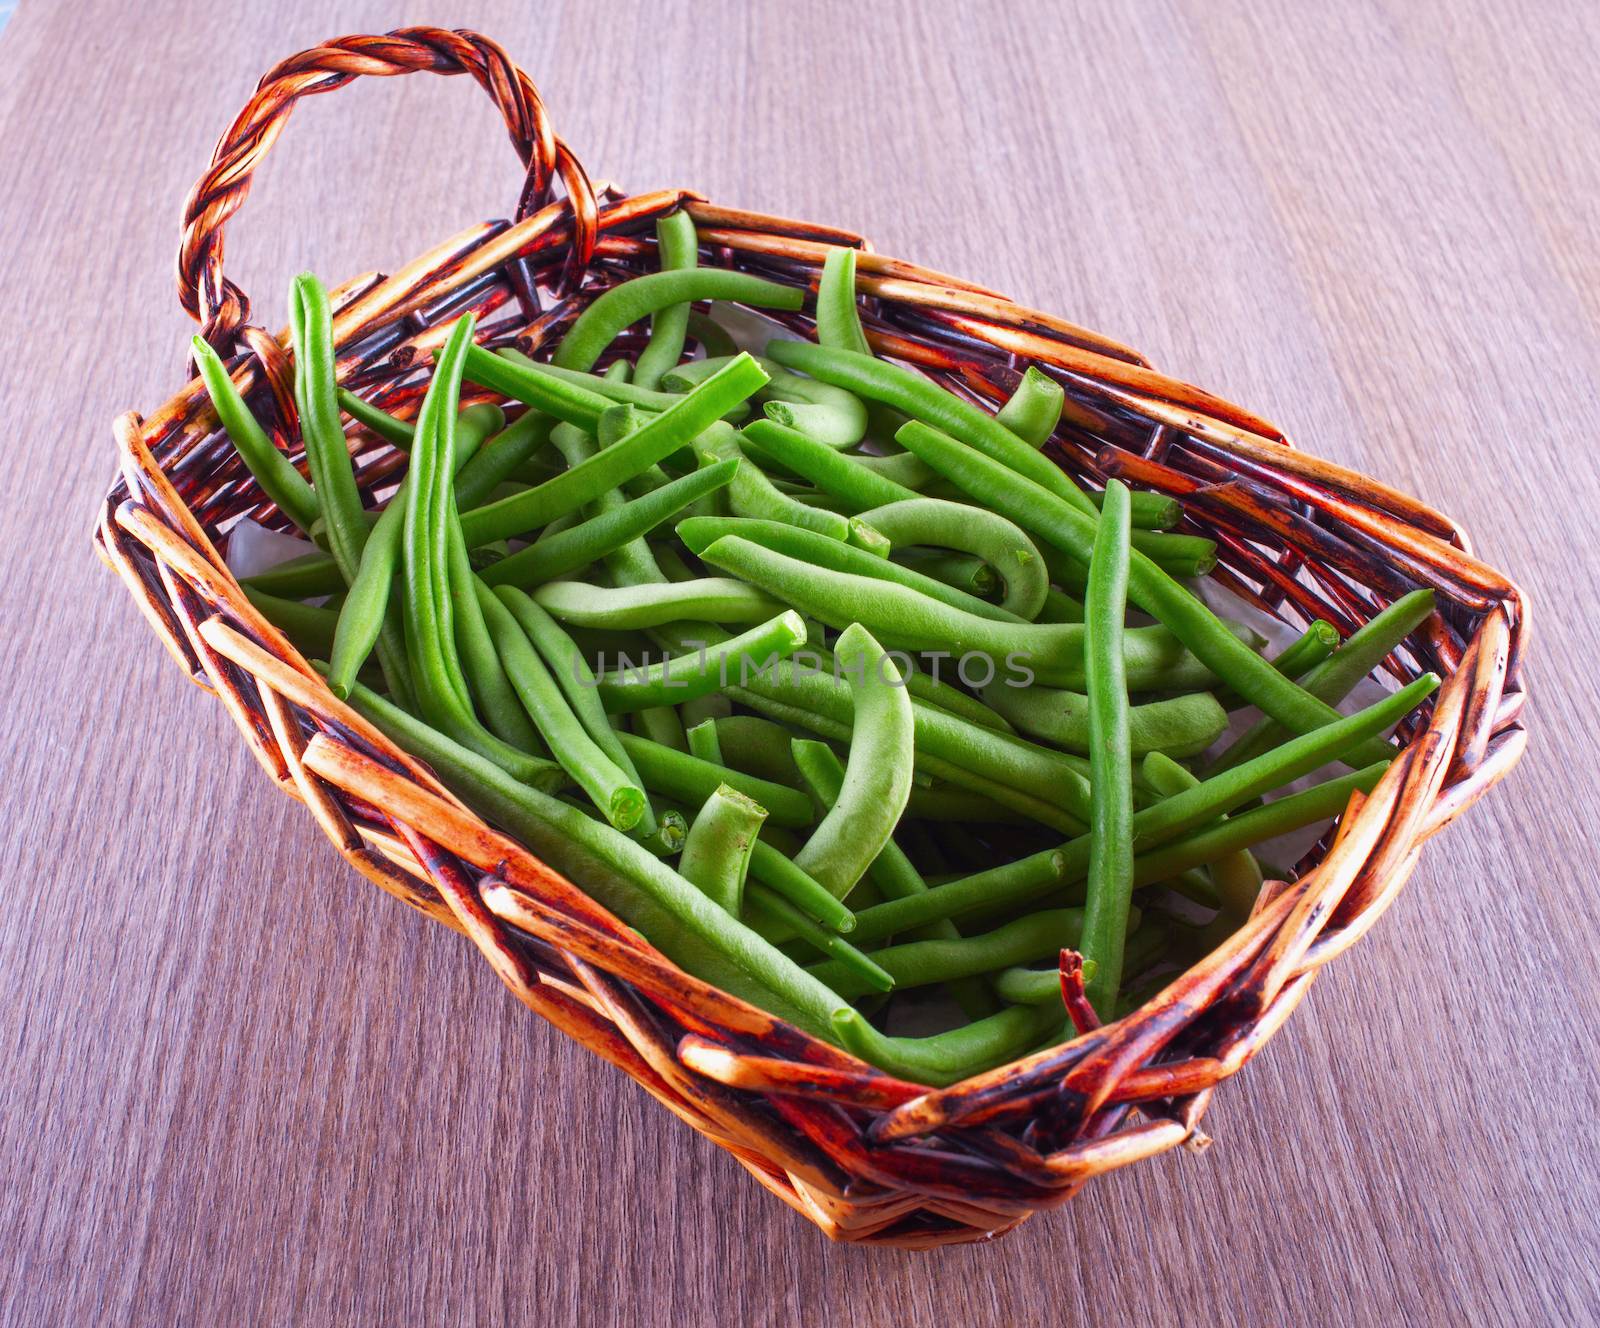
(702, 739)
(961, 571)
(752, 494)
(1034, 408)
(666, 840)
(700, 532)
(1028, 879)
(708, 668)
(921, 963)
(375, 419)
(494, 462)
(947, 1058)
(708, 599)
(590, 540)
(1303, 654)
(577, 683)
(273, 471)
(999, 542)
(1334, 679)
(620, 876)
(957, 804)
(328, 458)
(488, 685)
(838, 319)
(1273, 819)
(1237, 876)
(771, 909)
(878, 776)
(310, 629)
(615, 791)
(658, 437)
(1037, 986)
(685, 779)
(830, 470)
(1060, 607)
(1152, 589)
(598, 325)
(1109, 894)
(900, 617)
(1185, 557)
(712, 336)
(369, 604)
(901, 468)
(946, 745)
(678, 246)
(660, 724)
(892, 871)
(924, 400)
(716, 855)
(633, 563)
(777, 871)
(617, 391)
(305, 577)
(758, 747)
(829, 416)
(327, 452)
(1179, 725)
(1148, 511)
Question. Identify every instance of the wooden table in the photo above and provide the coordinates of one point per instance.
(1378, 228)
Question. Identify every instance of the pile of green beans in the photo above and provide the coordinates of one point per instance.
(818, 675)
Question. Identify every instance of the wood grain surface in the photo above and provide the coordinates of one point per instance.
(238, 1085)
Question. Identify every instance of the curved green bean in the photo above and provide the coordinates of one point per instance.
(947, 1058)
(891, 871)
(376, 420)
(1034, 408)
(966, 529)
(599, 324)
(838, 318)
(716, 855)
(877, 775)
(714, 599)
(1109, 894)
(273, 471)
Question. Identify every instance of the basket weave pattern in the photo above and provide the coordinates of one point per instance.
(866, 1156)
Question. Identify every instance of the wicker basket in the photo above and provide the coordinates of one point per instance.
(865, 1156)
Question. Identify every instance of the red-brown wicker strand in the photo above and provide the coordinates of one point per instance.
(867, 1157)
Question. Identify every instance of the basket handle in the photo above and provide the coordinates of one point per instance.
(219, 306)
